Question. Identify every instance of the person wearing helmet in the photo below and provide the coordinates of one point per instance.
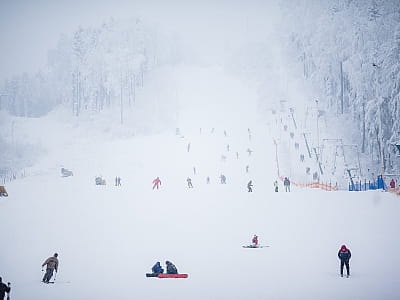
(254, 241)
(171, 269)
(51, 264)
(344, 255)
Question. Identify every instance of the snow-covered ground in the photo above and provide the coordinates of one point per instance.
(108, 237)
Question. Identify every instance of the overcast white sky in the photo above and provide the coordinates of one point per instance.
(28, 29)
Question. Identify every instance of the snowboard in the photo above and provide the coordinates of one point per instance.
(251, 246)
(172, 275)
(151, 274)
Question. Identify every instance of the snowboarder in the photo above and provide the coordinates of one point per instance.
(189, 182)
(51, 265)
(254, 241)
(171, 269)
(157, 269)
(344, 255)
(4, 288)
(250, 186)
(156, 183)
(223, 179)
(286, 183)
(392, 184)
(276, 185)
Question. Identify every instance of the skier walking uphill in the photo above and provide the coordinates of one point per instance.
(171, 269)
(276, 186)
(250, 186)
(51, 264)
(4, 288)
(344, 255)
(189, 182)
(156, 183)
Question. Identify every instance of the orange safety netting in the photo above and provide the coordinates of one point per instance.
(314, 185)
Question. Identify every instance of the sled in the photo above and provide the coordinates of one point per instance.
(172, 275)
(3, 191)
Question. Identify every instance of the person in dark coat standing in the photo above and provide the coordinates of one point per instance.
(171, 269)
(344, 255)
(4, 288)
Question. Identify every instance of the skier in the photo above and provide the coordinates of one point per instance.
(392, 184)
(189, 182)
(247, 169)
(157, 269)
(208, 179)
(119, 181)
(4, 288)
(223, 179)
(194, 170)
(344, 255)
(286, 183)
(51, 264)
(249, 151)
(254, 241)
(156, 183)
(188, 147)
(276, 185)
(250, 186)
(116, 181)
(227, 147)
(237, 155)
(171, 269)
(301, 157)
(225, 133)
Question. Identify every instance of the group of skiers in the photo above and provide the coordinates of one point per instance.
(171, 268)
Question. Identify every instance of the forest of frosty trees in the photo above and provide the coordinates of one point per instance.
(350, 53)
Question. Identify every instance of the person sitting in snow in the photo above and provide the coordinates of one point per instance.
(171, 269)
(254, 241)
(157, 269)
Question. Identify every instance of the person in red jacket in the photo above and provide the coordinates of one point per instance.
(254, 241)
(392, 184)
(156, 183)
(344, 255)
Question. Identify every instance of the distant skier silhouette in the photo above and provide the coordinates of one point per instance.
(250, 186)
(189, 182)
(156, 183)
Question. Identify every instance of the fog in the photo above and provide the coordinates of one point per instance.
(29, 29)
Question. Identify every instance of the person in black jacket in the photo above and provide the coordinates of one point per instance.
(171, 269)
(4, 288)
(157, 269)
(344, 255)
